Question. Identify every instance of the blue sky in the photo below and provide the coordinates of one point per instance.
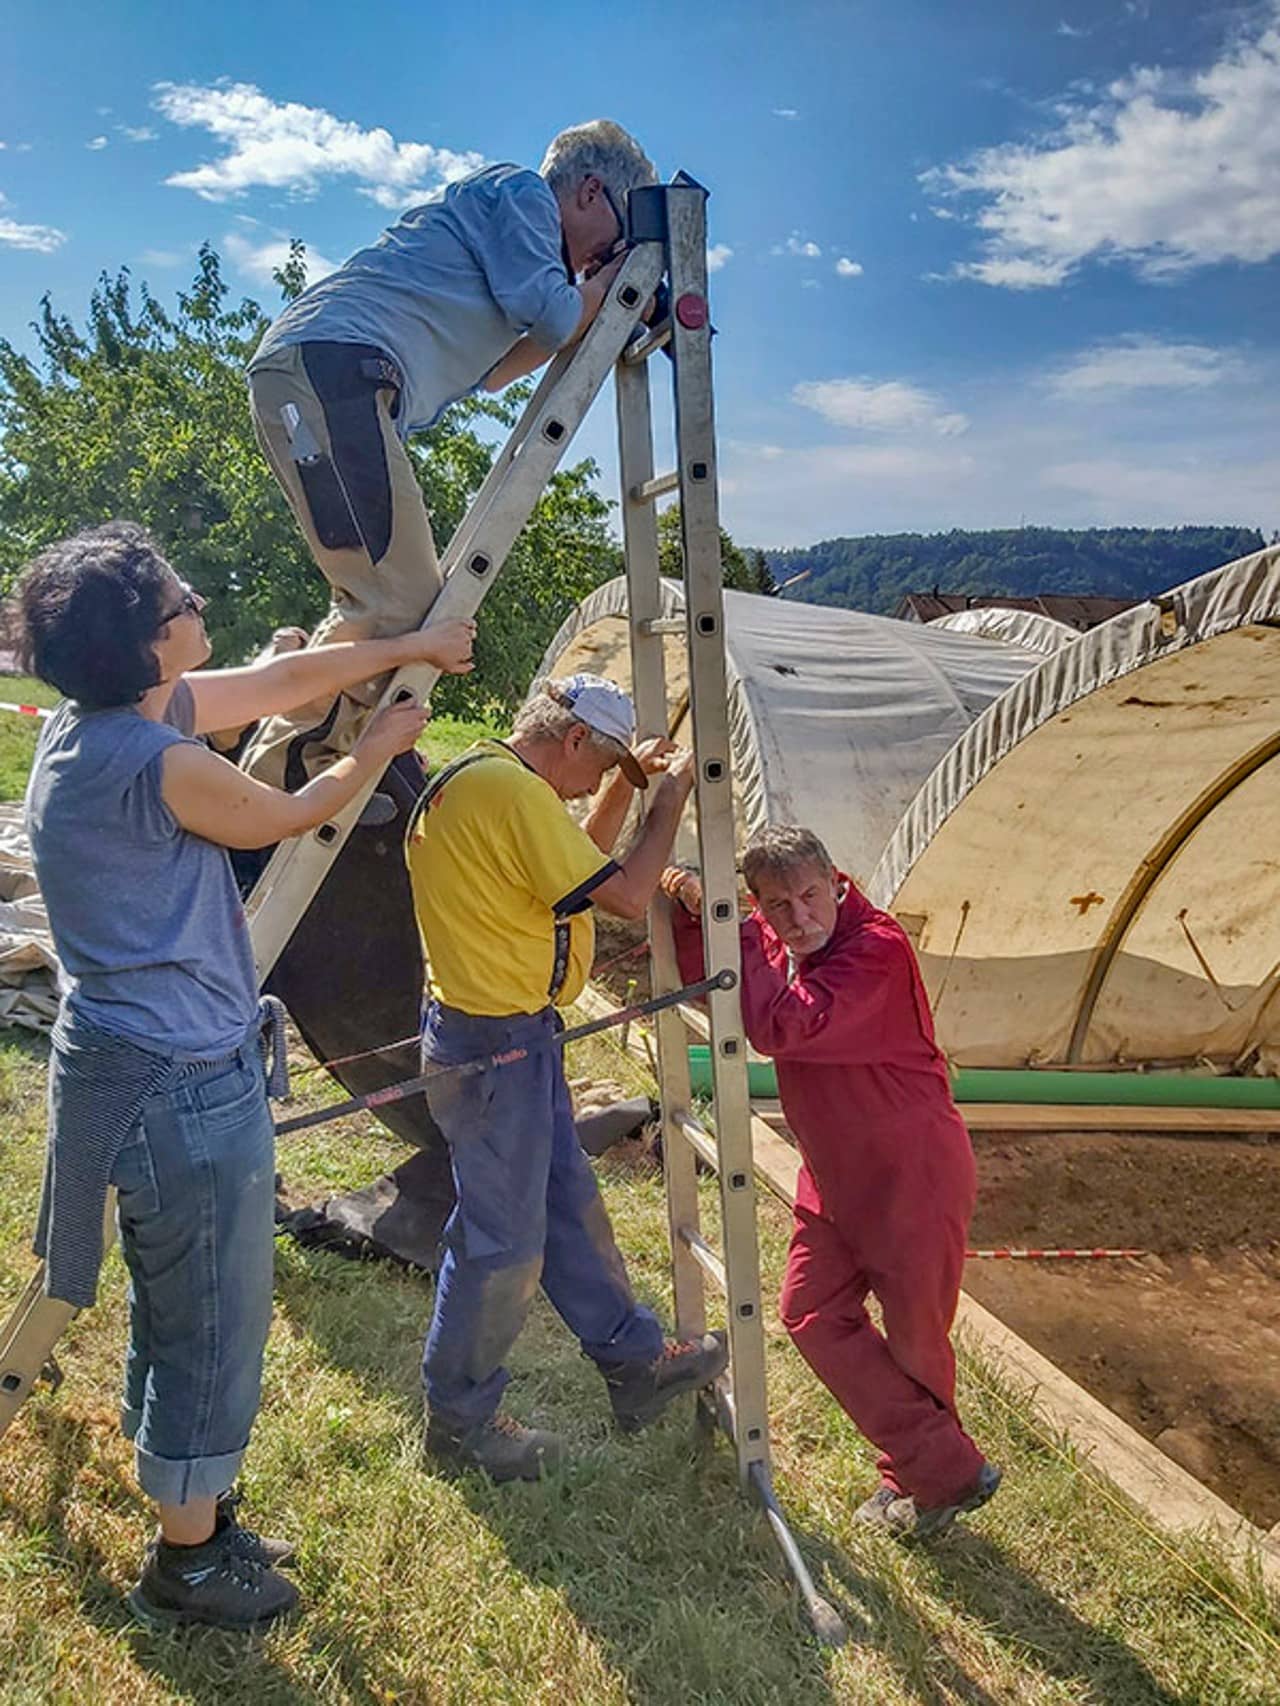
(974, 264)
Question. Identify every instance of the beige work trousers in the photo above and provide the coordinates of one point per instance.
(361, 510)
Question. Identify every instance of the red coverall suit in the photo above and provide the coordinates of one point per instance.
(886, 1190)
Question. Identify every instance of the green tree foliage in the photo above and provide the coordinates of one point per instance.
(744, 571)
(144, 414)
(875, 572)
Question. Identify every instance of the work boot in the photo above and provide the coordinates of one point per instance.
(912, 1522)
(247, 1542)
(213, 1584)
(504, 1449)
(640, 1391)
(874, 1512)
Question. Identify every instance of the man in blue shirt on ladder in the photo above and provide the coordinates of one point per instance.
(472, 289)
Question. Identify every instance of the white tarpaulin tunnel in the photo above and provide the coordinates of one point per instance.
(836, 718)
(1080, 833)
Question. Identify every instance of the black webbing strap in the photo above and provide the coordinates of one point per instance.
(434, 786)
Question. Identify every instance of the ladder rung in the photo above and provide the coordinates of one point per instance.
(653, 625)
(697, 1137)
(658, 487)
(656, 338)
(704, 1256)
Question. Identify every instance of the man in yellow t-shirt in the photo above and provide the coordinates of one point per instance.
(503, 884)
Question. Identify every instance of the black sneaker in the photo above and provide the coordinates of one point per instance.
(504, 1449)
(912, 1522)
(211, 1584)
(247, 1542)
(640, 1391)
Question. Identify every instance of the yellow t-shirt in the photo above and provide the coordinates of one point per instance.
(502, 878)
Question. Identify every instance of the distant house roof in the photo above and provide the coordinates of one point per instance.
(1078, 613)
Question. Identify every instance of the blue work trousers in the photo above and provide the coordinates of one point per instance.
(528, 1211)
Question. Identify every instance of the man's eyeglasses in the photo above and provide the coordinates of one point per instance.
(190, 604)
(617, 213)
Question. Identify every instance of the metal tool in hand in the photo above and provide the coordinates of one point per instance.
(505, 1057)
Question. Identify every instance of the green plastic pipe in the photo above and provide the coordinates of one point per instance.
(1085, 1089)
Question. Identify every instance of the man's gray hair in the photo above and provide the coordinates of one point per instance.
(599, 149)
(542, 717)
(781, 848)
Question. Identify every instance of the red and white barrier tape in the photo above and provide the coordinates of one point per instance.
(1050, 1255)
(25, 710)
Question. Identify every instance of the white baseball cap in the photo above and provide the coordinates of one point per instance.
(604, 707)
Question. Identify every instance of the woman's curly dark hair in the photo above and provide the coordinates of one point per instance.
(89, 609)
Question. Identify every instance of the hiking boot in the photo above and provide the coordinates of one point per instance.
(504, 1449)
(211, 1584)
(874, 1512)
(640, 1391)
(247, 1542)
(911, 1522)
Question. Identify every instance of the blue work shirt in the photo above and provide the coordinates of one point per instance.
(447, 290)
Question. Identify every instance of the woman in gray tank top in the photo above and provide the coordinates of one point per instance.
(156, 1083)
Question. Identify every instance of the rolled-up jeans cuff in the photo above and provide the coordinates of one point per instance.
(177, 1481)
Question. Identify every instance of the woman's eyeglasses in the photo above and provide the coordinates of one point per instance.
(190, 604)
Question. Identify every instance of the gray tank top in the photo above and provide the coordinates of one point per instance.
(145, 916)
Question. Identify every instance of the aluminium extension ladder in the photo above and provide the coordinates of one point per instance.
(667, 228)
(676, 216)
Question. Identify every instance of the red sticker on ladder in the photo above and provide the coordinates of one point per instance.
(691, 311)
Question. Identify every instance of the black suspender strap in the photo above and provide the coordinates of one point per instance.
(559, 959)
(434, 786)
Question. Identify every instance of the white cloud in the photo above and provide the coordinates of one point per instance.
(1140, 363)
(96, 142)
(797, 245)
(785, 112)
(846, 268)
(40, 239)
(1170, 490)
(717, 255)
(258, 261)
(164, 257)
(136, 132)
(1072, 30)
(285, 145)
(1169, 171)
(870, 405)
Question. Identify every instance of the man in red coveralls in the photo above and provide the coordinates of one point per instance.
(831, 989)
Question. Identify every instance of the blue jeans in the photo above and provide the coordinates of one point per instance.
(528, 1211)
(196, 1184)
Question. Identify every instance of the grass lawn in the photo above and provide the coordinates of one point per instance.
(18, 733)
(639, 1575)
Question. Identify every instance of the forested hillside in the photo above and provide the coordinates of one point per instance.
(875, 571)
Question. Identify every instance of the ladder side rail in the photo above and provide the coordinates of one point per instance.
(34, 1326)
(700, 519)
(648, 678)
(299, 866)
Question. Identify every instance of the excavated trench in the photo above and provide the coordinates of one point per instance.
(1183, 1343)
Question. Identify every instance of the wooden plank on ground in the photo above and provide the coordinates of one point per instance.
(1044, 1116)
